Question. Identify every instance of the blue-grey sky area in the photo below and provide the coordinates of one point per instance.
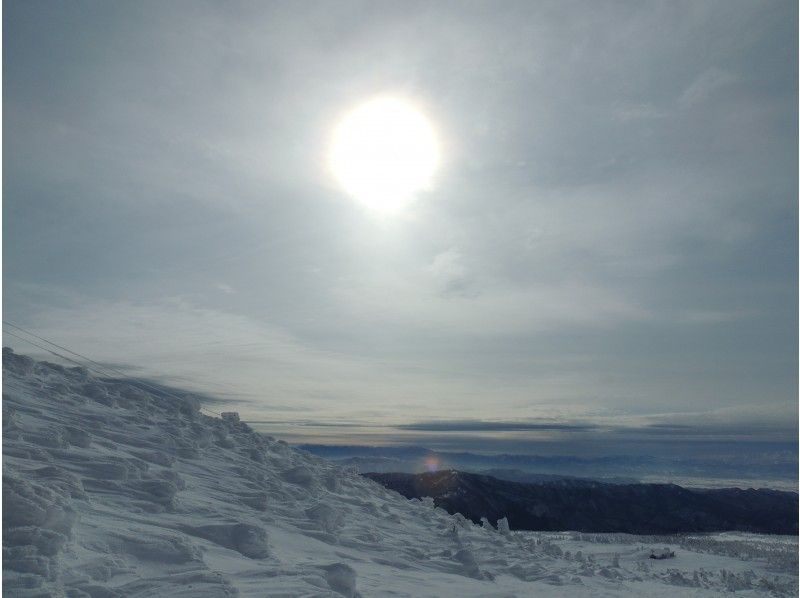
(608, 248)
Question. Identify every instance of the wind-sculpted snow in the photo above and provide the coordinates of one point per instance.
(110, 490)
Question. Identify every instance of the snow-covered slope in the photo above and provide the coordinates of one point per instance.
(109, 490)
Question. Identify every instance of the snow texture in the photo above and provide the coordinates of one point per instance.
(109, 490)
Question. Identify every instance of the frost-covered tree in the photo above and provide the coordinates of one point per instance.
(502, 526)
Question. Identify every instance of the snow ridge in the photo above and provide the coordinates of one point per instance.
(110, 490)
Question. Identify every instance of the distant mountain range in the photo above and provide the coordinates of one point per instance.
(591, 506)
(771, 468)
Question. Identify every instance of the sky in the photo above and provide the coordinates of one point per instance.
(608, 248)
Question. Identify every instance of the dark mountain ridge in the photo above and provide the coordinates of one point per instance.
(599, 507)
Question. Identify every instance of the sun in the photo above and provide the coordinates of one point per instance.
(384, 153)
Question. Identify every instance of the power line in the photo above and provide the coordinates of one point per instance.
(48, 350)
(17, 387)
(98, 367)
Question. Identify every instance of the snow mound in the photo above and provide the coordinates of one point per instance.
(342, 579)
(111, 490)
(247, 540)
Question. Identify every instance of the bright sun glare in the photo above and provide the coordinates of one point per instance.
(384, 152)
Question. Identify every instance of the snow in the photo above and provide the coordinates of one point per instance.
(110, 490)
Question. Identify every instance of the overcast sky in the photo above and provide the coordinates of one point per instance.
(611, 237)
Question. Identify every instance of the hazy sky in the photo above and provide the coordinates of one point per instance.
(611, 239)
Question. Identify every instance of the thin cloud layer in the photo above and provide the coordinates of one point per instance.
(612, 232)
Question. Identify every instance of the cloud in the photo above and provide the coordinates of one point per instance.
(705, 85)
(754, 418)
(773, 421)
(450, 274)
(711, 316)
(263, 366)
(490, 426)
(498, 309)
(174, 341)
(638, 112)
(225, 288)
